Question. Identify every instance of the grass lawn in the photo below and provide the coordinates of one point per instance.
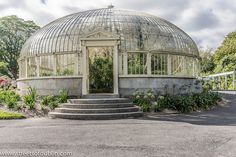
(10, 115)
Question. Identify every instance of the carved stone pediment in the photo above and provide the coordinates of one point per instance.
(101, 35)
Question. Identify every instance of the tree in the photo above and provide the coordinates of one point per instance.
(225, 55)
(3, 69)
(207, 62)
(13, 33)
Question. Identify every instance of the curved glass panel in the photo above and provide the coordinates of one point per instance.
(148, 45)
(137, 31)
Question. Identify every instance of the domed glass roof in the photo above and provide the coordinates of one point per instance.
(137, 31)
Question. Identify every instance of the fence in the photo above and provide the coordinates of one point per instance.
(221, 81)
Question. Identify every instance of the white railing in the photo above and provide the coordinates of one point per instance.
(222, 81)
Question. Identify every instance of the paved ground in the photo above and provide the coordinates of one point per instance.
(207, 134)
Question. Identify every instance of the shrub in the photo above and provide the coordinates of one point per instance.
(53, 104)
(9, 98)
(184, 103)
(188, 103)
(63, 96)
(30, 98)
(206, 100)
(17, 107)
(47, 99)
(144, 100)
(5, 83)
(11, 102)
(51, 101)
(163, 102)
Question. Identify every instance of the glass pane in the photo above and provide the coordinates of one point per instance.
(159, 64)
(32, 66)
(65, 64)
(137, 63)
(177, 65)
(46, 65)
(22, 68)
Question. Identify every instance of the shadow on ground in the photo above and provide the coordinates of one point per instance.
(221, 115)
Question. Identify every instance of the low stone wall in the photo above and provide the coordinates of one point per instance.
(160, 85)
(127, 85)
(51, 85)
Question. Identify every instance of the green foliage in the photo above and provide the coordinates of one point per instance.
(137, 64)
(101, 74)
(207, 86)
(50, 101)
(163, 102)
(144, 100)
(207, 62)
(46, 100)
(184, 103)
(9, 115)
(63, 96)
(225, 56)
(9, 98)
(13, 33)
(3, 68)
(53, 101)
(30, 98)
(206, 100)
(18, 107)
(53, 104)
(188, 103)
(67, 72)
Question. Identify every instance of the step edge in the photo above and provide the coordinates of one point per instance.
(97, 114)
(98, 109)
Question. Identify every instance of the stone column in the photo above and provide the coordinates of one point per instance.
(85, 72)
(76, 69)
(149, 67)
(38, 65)
(169, 64)
(125, 63)
(115, 70)
(54, 65)
(26, 67)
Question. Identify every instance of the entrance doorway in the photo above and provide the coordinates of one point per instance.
(100, 65)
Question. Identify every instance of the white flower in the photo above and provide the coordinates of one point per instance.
(161, 97)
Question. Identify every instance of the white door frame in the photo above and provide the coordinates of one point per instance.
(99, 42)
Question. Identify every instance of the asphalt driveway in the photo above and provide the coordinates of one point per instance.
(206, 134)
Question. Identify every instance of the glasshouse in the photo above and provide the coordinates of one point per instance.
(109, 51)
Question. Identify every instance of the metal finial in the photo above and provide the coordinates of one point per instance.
(110, 6)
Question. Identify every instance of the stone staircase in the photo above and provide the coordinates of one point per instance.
(99, 107)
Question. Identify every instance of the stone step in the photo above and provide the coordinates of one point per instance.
(94, 106)
(99, 100)
(100, 110)
(101, 116)
(104, 95)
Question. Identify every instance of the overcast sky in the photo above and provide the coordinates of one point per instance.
(206, 21)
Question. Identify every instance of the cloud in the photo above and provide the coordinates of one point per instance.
(207, 22)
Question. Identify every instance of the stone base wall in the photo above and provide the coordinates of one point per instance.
(51, 85)
(128, 85)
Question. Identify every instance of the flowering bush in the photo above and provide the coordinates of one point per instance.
(189, 102)
(144, 100)
(5, 83)
(183, 103)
